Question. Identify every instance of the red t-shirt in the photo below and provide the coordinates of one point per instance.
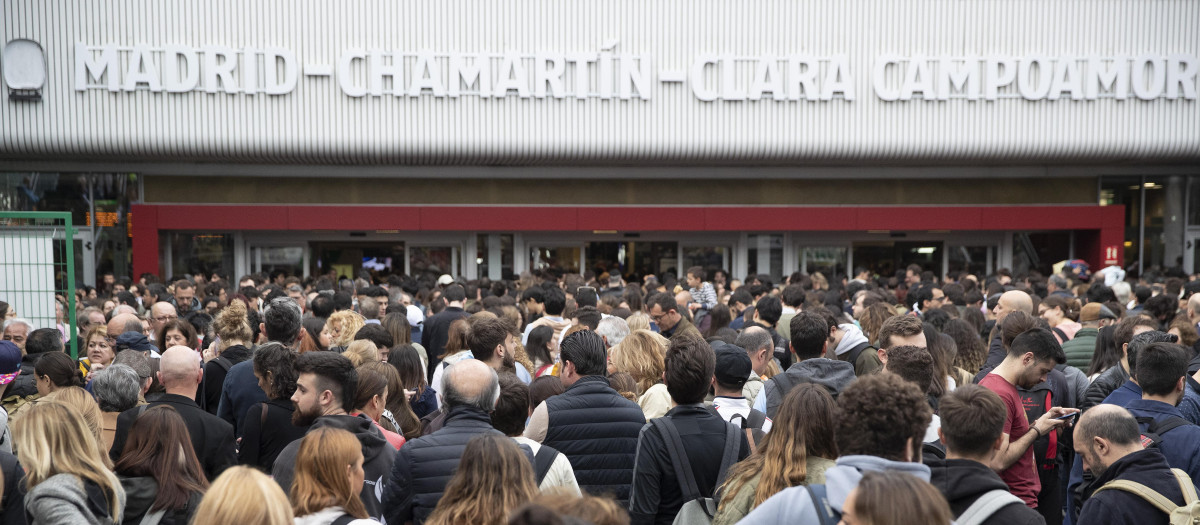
(1022, 478)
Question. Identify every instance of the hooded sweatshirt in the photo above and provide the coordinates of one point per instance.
(326, 516)
(140, 493)
(867, 362)
(794, 505)
(833, 375)
(377, 458)
(963, 481)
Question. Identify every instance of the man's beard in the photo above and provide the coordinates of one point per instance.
(302, 419)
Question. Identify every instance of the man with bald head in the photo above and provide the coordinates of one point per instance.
(425, 465)
(1010, 301)
(160, 314)
(212, 438)
(1108, 440)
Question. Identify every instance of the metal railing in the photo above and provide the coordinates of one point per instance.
(37, 269)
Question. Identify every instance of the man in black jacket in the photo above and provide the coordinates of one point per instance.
(325, 387)
(1116, 376)
(656, 496)
(212, 438)
(972, 427)
(425, 465)
(437, 328)
(590, 423)
(1109, 441)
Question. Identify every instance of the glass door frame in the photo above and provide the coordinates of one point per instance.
(254, 253)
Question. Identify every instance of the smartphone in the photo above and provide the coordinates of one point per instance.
(1068, 416)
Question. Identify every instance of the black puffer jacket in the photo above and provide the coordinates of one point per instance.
(424, 466)
(597, 429)
(1104, 385)
(963, 481)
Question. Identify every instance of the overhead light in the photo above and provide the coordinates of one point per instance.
(604, 232)
(1128, 244)
(879, 231)
(926, 250)
(24, 70)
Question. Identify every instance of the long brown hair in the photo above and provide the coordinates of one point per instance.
(802, 427)
(404, 361)
(872, 320)
(321, 480)
(396, 323)
(493, 479)
(456, 338)
(159, 447)
(896, 498)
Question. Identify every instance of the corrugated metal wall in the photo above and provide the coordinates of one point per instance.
(317, 122)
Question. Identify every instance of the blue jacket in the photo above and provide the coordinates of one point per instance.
(1117, 507)
(239, 392)
(1181, 446)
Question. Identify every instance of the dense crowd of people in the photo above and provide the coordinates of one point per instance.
(564, 398)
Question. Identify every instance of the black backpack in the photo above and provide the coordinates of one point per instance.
(1037, 401)
(752, 426)
(1153, 435)
(542, 461)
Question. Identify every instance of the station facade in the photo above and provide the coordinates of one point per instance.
(487, 140)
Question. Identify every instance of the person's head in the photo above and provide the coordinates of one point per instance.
(493, 479)
(275, 367)
(882, 415)
(689, 365)
(282, 321)
(325, 385)
(902, 330)
(491, 341)
(328, 473)
(810, 333)
(613, 330)
(368, 307)
(17, 330)
(397, 325)
(1013, 301)
(232, 326)
(244, 495)
(470, 383)
(44, 341)
(759, 346)
(177, 332)
(1130, 327)
(185, 292)
(768, 310)
(972, 422)
(534, 299)
(512, 408)
(641, 356)
(895, 498)
(540, 345)
(116, 388)
(582, 354)
(454, 293)
(1106, 433)
(140, 362)
(1162, 307)
(1161, 370)
(51, 438)
(664, 311)
(928, 297)
(543, 388)
(1184, 330)
(1141, 341)
(98, 345)
(152, 450)
(56, 370)
(1056, 309)
(160, 313)
(407, 362)
(1033, 354)
(371, 396)
(695, 276)
(377, 334)
(912, 363)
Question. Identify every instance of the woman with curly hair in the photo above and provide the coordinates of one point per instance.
(493, 479)
(971, 351)
(642, 355)
(797, 451)
(341, 328)
(267, 427)
(872, 320)
(232, 327)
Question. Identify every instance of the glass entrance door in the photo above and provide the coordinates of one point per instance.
(885, 258)
(633, 259)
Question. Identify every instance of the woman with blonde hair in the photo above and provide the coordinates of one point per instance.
(895, 498)
(232, 327)
(85, 405)
(329, 478)
(493, 479)
(641, 355)
(66, 478)
(341, 327)
(244, 495)
(361, 352)
(797, 451)
(638, 321)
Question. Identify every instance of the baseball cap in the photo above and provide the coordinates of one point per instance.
(415, 316)
(132, 341)
(10, 362)
(1095, 312)
(445, 280)
(733, 364)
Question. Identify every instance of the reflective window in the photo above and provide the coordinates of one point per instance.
(764, 255)
(204, 253)
(560, 259)
(829, 261)
(489, 246)
(432, 261)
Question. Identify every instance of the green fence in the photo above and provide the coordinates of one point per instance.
(37, 266)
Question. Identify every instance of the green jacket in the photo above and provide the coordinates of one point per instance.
(1080, 349)
(740, 504)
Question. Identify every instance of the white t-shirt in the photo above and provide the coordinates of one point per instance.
(728, 406)
(560, 475)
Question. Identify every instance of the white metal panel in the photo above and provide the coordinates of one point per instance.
(318, 123)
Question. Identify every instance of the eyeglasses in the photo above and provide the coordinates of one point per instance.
(165, 318)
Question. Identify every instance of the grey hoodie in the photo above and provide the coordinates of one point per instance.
(62, 500)
(831, 374)
(794, 505)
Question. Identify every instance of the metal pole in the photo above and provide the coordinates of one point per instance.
(1142, 228)
(69, 231)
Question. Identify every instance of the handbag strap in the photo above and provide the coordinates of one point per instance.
(683, 468)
